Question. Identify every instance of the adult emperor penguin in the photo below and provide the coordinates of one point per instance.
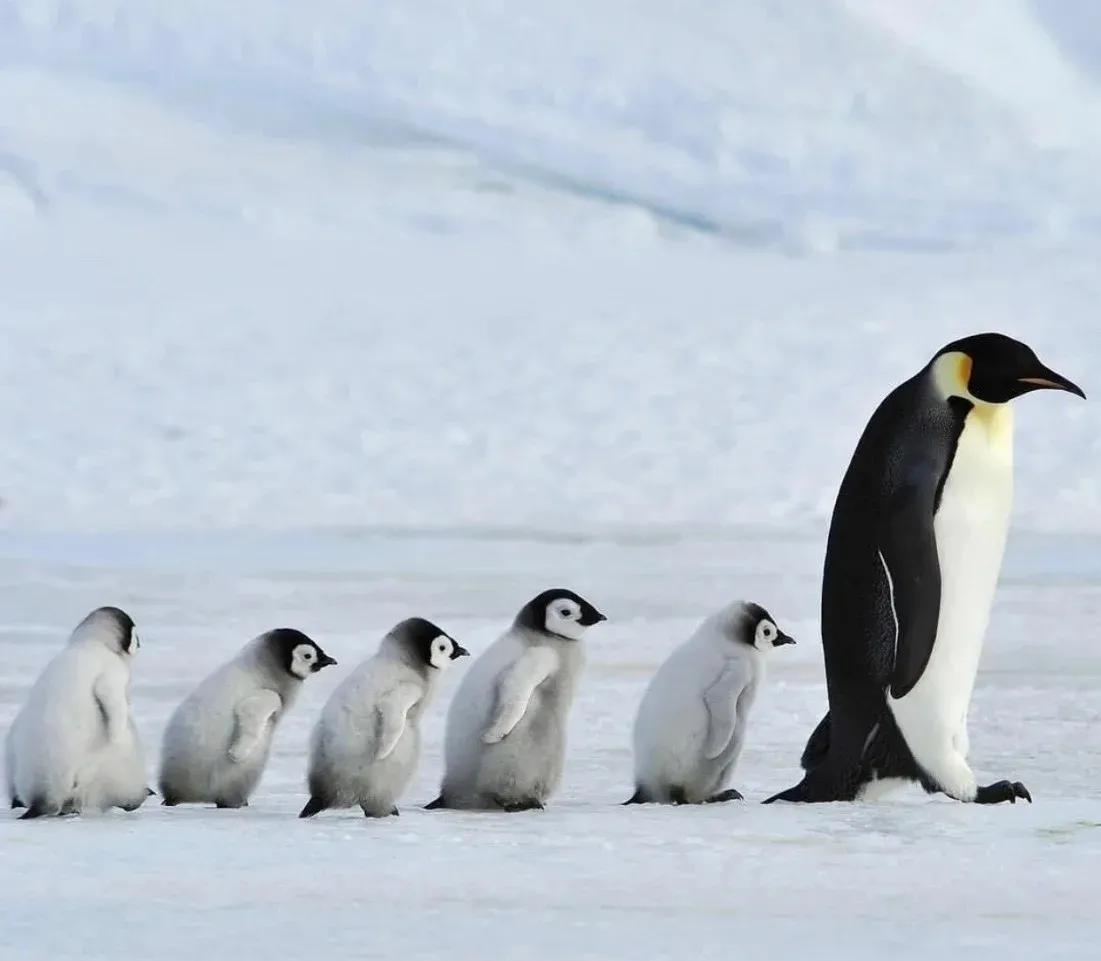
(691, 724)
(506, 728)
(73, 747)
(366, 745)
(217, 742)
(912, 561)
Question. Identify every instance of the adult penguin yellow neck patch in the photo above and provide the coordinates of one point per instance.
(952, 374)
(963, 370)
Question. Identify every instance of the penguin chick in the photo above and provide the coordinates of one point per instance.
(73, 746)
(366, 745)
(691, 724)
(217, 742)
(506, 728)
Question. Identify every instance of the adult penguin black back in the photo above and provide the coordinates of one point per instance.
(913, 557)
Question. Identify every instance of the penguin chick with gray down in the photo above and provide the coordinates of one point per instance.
(366, 745)
(506, 727)
(217, 742)
(73, 746)
(691, 724)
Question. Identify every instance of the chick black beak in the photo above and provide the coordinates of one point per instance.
(782, 639)
(1046, 379)
(458, 651)
(323, 660)
(593, 617)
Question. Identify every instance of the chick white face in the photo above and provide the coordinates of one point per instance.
(764, 635)
(564, 619)
(293, 652)
(424, 643)
(558, 612)
(135, 643)
(303, 661)
(767, 635)
(441, 652)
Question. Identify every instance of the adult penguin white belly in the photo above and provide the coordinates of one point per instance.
(970, 528)
(913, 558)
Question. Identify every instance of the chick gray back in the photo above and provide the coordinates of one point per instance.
(344, 767)
(674, 720)
(195, 763)
(527, 764)
(73, 744)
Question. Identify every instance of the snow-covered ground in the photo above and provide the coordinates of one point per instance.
(587, 878)
(327, 314)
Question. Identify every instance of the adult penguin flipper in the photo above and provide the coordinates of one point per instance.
(908, 556)
(911, 579)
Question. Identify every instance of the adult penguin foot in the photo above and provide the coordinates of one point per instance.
(1001, 791)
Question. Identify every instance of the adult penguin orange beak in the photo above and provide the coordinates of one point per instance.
(1047, 379)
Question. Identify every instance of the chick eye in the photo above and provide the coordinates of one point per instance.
(564, 612)
(308, 655)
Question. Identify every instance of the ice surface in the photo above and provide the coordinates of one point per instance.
(587, 878)
(328, 314)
